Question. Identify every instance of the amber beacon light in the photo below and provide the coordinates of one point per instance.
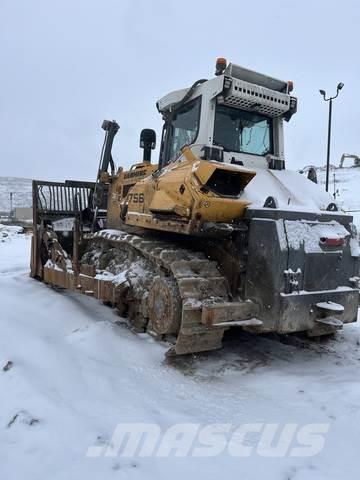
(220, 65)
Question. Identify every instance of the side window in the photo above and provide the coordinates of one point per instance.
(184, 128)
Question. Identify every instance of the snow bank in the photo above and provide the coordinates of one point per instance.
(8, 232)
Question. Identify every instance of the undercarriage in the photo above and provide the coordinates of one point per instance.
(189, 290)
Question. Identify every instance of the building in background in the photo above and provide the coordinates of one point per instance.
(22, 214)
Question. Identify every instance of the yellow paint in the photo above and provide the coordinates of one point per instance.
(175, 199)
(121, 185)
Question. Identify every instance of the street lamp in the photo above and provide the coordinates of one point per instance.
(330, 99)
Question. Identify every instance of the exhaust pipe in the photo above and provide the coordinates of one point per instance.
(148, 143)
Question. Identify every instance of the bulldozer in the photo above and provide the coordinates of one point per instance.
(217, 235)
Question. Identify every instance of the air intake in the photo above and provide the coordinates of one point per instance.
(247, 96)
(227, 183)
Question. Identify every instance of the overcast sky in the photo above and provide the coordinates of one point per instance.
(68, 64)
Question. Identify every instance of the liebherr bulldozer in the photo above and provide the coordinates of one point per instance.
(219, 234)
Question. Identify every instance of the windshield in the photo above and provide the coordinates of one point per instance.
(240, 131)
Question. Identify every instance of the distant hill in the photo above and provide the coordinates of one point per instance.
(21, 189)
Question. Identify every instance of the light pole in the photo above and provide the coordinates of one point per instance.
(330, 99)
(11, 203)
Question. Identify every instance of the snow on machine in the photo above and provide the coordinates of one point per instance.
(219, 234)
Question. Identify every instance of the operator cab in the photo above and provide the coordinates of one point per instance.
(236, 117)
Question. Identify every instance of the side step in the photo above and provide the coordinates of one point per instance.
(331, 321)
(325, 326)
(330, 307)
(327, 322)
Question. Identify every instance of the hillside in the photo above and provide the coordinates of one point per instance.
(21, 189)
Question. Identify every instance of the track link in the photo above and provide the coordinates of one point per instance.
(194, 278)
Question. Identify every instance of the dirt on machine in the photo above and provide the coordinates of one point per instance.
(217, 235)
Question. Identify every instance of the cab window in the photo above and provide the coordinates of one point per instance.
(183, 129)
(243, 132)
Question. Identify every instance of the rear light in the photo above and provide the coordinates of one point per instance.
(332, 242)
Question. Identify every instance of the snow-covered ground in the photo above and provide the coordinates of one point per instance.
(345, 183)
(9, 232)
(69, 376)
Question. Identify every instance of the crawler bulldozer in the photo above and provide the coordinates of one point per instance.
(217, 235)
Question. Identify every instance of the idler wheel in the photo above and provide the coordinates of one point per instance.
(164, 306)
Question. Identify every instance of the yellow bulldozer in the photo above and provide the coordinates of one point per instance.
(218, 234)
